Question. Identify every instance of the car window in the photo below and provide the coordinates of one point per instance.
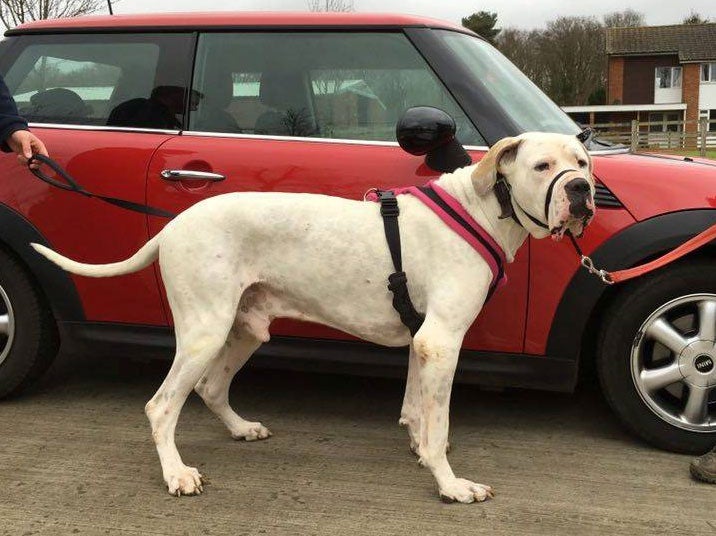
(347, 85)
(110, 80)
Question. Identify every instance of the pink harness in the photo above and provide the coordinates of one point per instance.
(454, 215)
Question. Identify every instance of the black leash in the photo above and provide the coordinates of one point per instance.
(398, 281)
(71, 185)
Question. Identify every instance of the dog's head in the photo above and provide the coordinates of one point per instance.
(548, 176)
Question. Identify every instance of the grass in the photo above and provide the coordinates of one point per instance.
(711, 154)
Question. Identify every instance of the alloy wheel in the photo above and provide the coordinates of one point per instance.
(673, 362)
(7, 325)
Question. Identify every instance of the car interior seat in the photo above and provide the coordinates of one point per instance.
(157, 111)
(211, 114)
(57, 105)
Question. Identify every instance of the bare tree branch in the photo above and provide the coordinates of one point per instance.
(566, 59)
(14, 12)
(340, 6)
(628, 18)
(695, 18)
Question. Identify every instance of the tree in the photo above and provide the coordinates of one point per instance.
(566, 59)
(14, 12)
(624, 19)
(695, 18)
(340, 6)
(598, 96)
(571, 54)
(522, 48)
(483, 24)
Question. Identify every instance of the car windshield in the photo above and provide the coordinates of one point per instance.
(517, 95)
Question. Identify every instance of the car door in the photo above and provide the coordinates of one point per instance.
(70, 88)
(314, 112)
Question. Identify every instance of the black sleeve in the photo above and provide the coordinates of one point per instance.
(10, 120)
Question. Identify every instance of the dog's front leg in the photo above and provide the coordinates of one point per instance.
(437, 355)
(410, 412)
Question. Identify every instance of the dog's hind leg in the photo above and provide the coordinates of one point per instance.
(200, 336)
(213, 387)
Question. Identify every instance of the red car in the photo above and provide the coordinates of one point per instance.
(170, 109)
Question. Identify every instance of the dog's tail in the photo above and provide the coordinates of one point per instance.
(145, 256)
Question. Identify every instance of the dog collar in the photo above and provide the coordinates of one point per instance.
(503, 192)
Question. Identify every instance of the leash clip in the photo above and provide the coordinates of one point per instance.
(602, 274)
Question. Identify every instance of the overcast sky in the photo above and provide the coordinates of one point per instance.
(519, 13)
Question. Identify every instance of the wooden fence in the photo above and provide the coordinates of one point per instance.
(698, 136)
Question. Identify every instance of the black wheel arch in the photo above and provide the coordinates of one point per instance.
(585, 296)
(16, 234)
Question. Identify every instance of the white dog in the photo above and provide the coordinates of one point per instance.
(233, 263)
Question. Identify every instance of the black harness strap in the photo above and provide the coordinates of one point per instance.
(398, 281)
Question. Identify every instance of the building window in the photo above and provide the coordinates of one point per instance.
(712, 119)
(708, 72)
(668, 77)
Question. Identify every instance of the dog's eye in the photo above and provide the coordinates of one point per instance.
(542, 166)
(582, 163)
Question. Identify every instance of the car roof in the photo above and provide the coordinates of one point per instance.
(231, 19)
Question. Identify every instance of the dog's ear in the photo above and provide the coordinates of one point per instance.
(485, 173)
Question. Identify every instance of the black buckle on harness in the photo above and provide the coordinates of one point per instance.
(388, 205)
(398, 285)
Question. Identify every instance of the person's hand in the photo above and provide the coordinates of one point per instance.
(24, 143)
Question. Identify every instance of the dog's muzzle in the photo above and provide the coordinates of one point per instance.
(579, 195)
(578, 192)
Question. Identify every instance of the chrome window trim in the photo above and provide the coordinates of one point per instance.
(307, 139)
(266, 137)
(103, 127)
(204, 134)
(200, 133)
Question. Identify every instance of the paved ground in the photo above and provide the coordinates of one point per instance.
(76, 458)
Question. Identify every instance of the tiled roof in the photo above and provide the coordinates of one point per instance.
(692, 42)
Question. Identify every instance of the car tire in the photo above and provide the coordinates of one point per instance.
(28, 333)
(632, 361)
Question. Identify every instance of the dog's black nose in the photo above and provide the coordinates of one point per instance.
(578, 192)
(577, 186)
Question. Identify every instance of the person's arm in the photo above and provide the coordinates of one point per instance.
(14, 134)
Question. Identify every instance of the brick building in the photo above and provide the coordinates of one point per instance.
(658, 74)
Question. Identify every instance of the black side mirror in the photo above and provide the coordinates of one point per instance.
(424, 130)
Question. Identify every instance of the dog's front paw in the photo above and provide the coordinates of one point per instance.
(186, 481)
(251, 431)
(465, 491)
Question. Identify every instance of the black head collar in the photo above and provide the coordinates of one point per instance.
(507, 202)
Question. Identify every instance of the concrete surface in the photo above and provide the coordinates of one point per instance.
(76, 458)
